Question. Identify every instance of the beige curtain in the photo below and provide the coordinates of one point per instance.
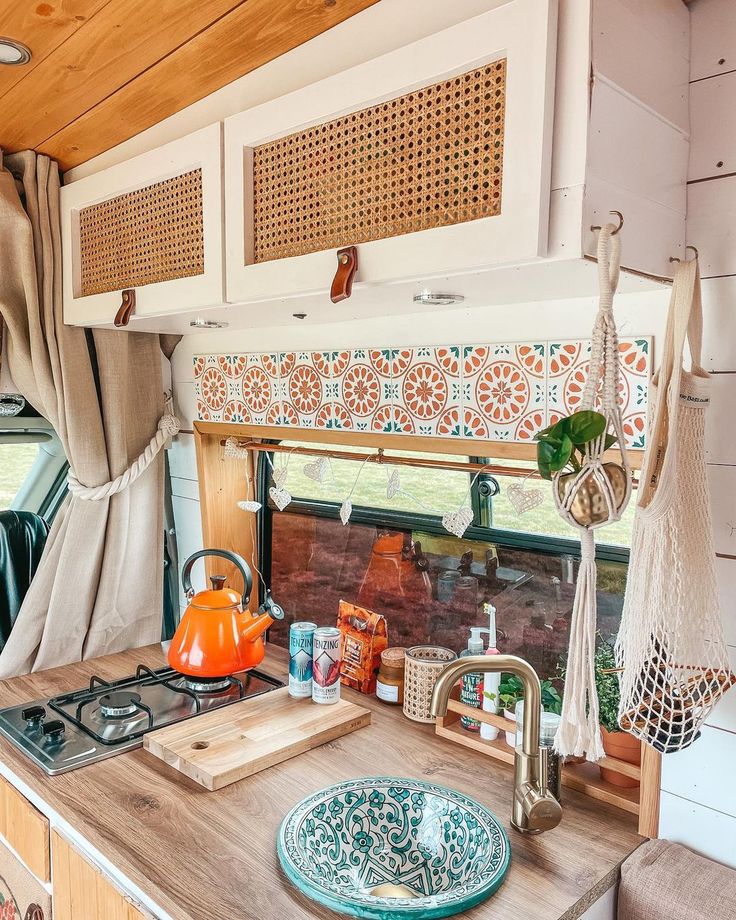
(99, 585)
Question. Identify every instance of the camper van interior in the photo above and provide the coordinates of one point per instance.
(367, 471)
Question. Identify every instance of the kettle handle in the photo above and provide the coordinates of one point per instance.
(236, 560)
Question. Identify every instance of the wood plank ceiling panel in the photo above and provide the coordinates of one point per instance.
(43, 27)
(134, 63)
(116, 45)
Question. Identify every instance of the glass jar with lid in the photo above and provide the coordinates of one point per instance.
(390, 680)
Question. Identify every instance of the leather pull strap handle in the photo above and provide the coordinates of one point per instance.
(127, 309)
(347, 266)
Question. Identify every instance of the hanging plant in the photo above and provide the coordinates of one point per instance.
(562, 450)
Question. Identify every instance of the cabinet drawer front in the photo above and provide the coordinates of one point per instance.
(152, 224)
(82, 892)
(18, 887)
(25, 829)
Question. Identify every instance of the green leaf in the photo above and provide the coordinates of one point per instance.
(585, 426)
(545, 453)
(561, 454)
(610, 440)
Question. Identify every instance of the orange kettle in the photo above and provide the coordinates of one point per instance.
(218, 635)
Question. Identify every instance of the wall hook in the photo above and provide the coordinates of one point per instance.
(620, 223)
(697, 254)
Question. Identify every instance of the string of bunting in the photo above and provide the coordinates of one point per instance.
(456, 521)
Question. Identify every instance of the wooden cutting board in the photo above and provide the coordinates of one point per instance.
(228, 744)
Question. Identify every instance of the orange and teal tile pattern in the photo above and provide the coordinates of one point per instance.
(499, 392)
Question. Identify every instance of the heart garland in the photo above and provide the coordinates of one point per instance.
(317, 470)
(346, 509)
(280, 497)
(457, 522)
(393, 486)
(523, 499)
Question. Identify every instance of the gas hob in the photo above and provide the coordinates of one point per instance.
(107, 718)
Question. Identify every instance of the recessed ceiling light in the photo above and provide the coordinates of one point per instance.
(435, 299)
(13, 52)
(200, 323)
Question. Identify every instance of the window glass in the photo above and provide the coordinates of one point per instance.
(16, 461)
(422, 491)
(545, 518)
(431, 588)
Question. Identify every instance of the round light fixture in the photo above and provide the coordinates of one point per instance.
(200, 323)
(13, 52)
(436, 299)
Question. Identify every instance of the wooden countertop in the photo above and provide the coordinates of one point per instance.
(211, 855)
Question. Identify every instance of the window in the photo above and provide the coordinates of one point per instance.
(16, 462)
(396, 558)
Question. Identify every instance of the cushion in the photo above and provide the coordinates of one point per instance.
(665, 881)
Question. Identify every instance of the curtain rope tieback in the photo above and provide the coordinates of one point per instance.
(168, 426)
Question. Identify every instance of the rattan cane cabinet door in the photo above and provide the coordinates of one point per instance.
(431, 159)
(152, 224)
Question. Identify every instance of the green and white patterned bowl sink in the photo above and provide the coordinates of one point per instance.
(390, 848)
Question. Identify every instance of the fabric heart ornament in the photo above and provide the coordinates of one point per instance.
(279, 477)
(317, 470)
(249, 506)
(393, 486)
(346, 509)
(457, 522)
(280, 497)
(523, 499)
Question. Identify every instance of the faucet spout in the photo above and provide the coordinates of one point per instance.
(535, 809)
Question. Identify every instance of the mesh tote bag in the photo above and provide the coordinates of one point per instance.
(671, 645)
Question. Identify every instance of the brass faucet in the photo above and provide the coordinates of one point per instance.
(535, 809)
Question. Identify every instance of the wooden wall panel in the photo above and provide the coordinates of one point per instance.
(713, 127)
(25, 829)
(249, 36)
(711, 225)
(82, 892)
(713, 42)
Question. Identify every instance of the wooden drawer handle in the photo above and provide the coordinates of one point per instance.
(127, 309)
(347, 266)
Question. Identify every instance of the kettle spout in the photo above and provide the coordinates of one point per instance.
(255, 627)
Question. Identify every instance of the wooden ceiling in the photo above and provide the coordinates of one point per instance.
(104, 70)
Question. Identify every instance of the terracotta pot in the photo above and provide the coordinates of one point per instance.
(589, 505)
(623, 746)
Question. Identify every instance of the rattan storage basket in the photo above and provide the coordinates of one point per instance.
(424, 664)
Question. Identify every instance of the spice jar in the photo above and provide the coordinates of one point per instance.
(390, 681)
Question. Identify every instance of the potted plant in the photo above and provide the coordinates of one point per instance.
(563, 446)
(511, 690)
(616, 743)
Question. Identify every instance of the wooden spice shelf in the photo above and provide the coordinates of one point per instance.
(583, 777)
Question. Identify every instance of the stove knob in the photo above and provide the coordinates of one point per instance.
(54, 730)
(34, 716)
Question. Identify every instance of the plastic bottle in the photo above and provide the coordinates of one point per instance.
(491, 682)
(471, 692)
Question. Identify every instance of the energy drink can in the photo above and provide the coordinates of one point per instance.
(301, 641)
(326, 665)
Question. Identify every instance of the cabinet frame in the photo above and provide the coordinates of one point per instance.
(202, 149)
(522, 31)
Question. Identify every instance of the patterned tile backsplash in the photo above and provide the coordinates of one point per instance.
(496, 392)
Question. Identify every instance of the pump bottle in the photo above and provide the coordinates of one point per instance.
(471, 692)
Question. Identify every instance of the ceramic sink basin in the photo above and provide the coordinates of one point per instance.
(390, 848)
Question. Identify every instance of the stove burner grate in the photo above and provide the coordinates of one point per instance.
(208, 684)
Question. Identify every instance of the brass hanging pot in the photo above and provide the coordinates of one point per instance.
(589, 505)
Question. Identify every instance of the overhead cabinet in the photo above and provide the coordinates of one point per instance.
(432, 157)
(475, 161)
(151, 226)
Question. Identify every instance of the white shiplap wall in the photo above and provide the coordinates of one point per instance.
(698, 785)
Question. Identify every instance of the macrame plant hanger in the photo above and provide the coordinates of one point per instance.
(579, 731)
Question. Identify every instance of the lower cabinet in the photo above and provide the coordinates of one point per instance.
(81, 891)
(22, 896)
